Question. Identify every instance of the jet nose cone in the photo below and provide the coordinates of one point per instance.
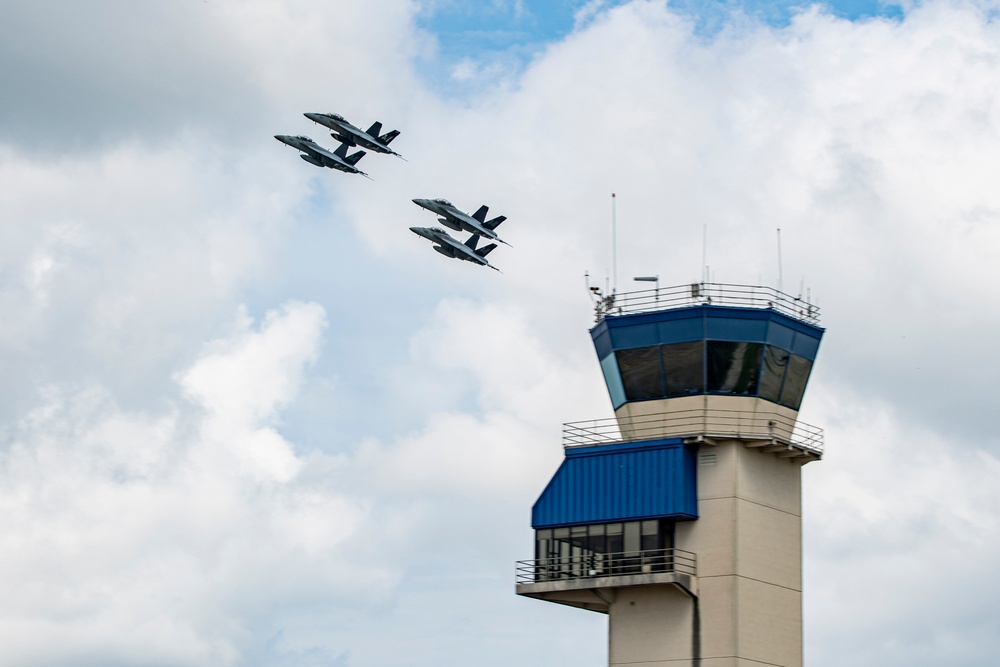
(417, 200)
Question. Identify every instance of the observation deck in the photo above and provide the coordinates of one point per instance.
(700, 294)
(773, 431)
(587, 581)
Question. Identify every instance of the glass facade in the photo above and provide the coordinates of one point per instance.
(605, 549)
(715, 367)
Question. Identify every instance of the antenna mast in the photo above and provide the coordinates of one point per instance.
(704, 253)
(779, 259)
(614, 247)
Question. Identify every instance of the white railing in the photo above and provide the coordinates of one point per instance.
(698, 294)
(738, 424)
(591, 565)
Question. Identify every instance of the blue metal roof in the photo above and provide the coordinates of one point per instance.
(620, 482)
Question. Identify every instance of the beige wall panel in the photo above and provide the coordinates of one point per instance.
(712, 537)
(768, 545)
(717, 480)
(650, 624)
(769, 480)
(718, 616)
(770, 623)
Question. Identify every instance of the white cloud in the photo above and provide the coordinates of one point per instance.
(175, 537)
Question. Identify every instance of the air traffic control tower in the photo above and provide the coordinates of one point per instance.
(681, 517)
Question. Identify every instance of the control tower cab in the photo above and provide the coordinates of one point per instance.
(681, 517)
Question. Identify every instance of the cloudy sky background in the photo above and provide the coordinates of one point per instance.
(247, 418)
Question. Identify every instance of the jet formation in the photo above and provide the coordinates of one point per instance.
(458, 220)
(374, 140)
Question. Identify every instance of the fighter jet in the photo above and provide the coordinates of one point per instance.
(450, 247)
(349, 135)
(321, 157)
(458, 220)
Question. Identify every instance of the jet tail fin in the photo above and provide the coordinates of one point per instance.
(388, 137)
(341, 151)
(480, 215)
(353, 159)
(375, 129)
(473, 242)
(495, 222)
(485, 250)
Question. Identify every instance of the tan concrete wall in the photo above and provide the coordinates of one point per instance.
(769, 626)
(764, 478)
(650, 624)
(693, 414)
(748, 541)
(768, 545)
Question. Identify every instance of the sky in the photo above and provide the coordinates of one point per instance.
(247, 418)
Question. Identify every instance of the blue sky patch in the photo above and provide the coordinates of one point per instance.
(490, 40)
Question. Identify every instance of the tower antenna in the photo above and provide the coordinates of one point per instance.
(779, 260)
(614, 247)
(704, 253)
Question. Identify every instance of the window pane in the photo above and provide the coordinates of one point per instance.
(733, 367)
(682, 368)
(795, 382)
(667, 533)
(640, 369)
(775, 363)
(632, 536)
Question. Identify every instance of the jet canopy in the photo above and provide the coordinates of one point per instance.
(335, 116)
(302, 137)
(443, 202)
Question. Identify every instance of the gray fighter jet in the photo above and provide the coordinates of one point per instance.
(451, 247)
(349, 135)
(458, 220)
(321, 157)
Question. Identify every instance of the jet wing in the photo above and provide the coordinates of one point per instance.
(320, 151)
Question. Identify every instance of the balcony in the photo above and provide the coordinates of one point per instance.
(772, 431)
(698, 294)
(606, 565)
(584, 581)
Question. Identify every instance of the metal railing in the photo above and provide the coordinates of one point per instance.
(738, 424)
(697, 294)
(592, 565)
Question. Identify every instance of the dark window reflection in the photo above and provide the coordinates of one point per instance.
(733, 367)
(683, 368)
(795, 381)
(641, 376)
(773, 372)
(741, 369)
(601, 550)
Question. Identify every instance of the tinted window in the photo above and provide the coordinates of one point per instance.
(773, 372)
(795, 381)
(683, 368)
(641, 376)
(733, 367)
